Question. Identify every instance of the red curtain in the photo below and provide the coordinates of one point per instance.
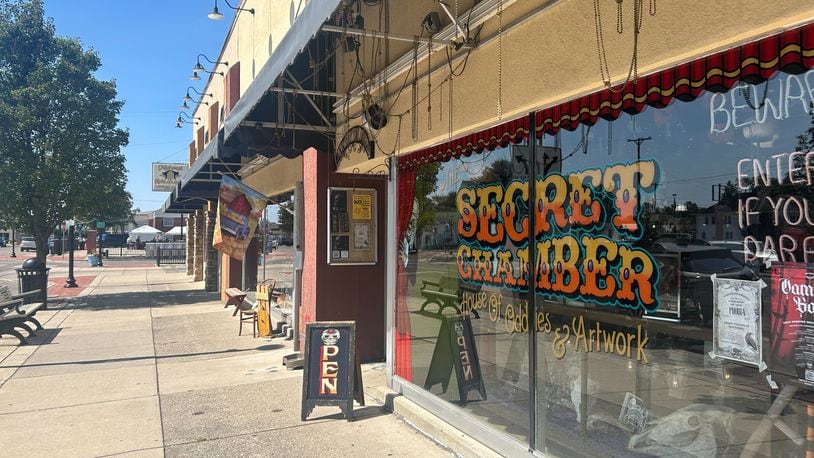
(406, 196)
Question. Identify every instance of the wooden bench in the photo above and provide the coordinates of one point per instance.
(235, 297)
(15, 314)
(445, 293)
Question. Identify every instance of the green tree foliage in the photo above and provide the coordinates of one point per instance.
(425, 185)
(60, 147)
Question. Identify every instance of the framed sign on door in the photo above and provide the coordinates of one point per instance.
(351, 226)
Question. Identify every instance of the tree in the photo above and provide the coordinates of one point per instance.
(60, 147)
(425, 185)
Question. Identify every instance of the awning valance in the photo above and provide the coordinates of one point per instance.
(501, 135)
(791, 51)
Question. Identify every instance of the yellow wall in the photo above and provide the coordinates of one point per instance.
(279, 176)
(251, 40)
(549, 55)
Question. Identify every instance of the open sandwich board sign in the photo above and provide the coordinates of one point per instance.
(456, 349)
(332, 375)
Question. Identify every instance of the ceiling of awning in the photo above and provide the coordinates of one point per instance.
(301, 33)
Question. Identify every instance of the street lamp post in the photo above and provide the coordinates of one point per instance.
(13, 240)
(70, 282)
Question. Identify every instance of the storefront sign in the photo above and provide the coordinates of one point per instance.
(351, 226)
(578, 334)
(332, 375)
(736, 324)
(576, 259)
(792, 211)
(166, 175)
(456, 349)
(239, 210)
(792, 323)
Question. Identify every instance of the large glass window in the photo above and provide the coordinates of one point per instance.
(673, 289)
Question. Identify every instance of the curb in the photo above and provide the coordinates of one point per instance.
(430, 425)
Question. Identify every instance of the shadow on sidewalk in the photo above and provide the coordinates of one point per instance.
(359, 413)
(140, 358)
(135, 300)
(41, 337)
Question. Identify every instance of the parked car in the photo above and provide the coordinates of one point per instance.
(698, 263)
(113, 240)
(28, 244)
(3, 241)
(752, 254)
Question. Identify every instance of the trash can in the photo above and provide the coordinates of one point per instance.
(33, 275)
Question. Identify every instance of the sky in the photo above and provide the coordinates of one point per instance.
(149, 49)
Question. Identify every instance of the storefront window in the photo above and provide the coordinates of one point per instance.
(491, 378)
(673, 290)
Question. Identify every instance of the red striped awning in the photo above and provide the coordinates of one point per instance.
(501, 135)
(791, 51)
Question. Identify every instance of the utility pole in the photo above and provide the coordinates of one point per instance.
(638, 141)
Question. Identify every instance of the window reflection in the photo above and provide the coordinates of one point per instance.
(645, 224)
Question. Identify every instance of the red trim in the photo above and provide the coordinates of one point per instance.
(501, 135)
(791, 51)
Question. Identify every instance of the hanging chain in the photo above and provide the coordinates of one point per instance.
(652, 7)
(600, 44)
(747, 96)
(413, 112)
(500, 59)
(449, 91)
(610, 138)
(633, 70)
(620, 26)
(429, 84)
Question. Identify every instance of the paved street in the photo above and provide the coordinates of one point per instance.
(143, 362)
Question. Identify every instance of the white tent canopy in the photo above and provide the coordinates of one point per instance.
(143, 234)
(145, 230)
(177, 230)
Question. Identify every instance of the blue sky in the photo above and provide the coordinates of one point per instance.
(149, 48)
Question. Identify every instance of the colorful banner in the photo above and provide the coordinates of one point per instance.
(792, 322)
(239, 210)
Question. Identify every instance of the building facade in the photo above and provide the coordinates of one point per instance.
(564, 318)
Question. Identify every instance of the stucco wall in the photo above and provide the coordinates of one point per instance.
(251, 40)
(549, 55)
(278, 177)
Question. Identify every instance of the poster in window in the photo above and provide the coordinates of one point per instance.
(361, 236)
(736, 324)
(352, 226)
(339, 211)
(339, 250)
(792, 323)
(362, 208)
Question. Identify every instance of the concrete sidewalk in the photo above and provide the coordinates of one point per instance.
(144, 363)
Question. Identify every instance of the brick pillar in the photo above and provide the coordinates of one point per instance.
(190, 243)
(211, 262)
(199, 246)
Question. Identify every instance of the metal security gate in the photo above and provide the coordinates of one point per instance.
(170, 255)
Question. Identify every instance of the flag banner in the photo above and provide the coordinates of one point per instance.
(239, 210)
